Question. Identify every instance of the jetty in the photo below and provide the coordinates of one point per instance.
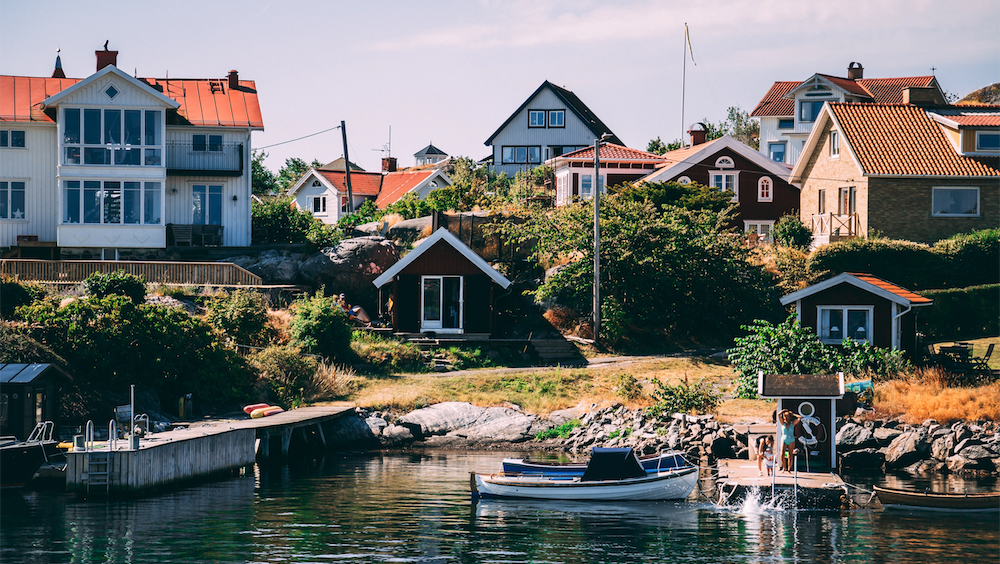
(739, 477)
(196, 451)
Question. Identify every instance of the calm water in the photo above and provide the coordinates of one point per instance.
(415, 507)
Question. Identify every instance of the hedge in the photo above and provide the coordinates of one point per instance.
(960, 313)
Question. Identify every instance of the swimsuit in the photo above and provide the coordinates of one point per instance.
(787, 433)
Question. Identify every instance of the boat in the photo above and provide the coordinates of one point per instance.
(654, 463)
(20, 460)
(613, 474)
(893, 498)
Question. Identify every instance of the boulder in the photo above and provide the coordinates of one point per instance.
(927, 467)
(275, 267)
(409, 230)
(975, 452)
(564, 415)
(350, 267)
(498, 424)
(395, 434)
(960, 464)
(349, 430)
(441, 418)
(376, 424)
(885, 435)
(853, 437)
(866, 458)
(966, 443)
(906, 449)
(943, 447)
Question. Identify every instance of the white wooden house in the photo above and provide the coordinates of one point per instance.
(324, 192)
(101, 166)
(553, 121)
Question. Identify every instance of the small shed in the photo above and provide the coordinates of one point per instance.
(813, 397)
(861, 307)
(443, 286)
(29, 394)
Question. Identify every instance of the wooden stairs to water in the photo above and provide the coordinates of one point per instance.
(558, 351)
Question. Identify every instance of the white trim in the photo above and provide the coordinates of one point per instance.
(461, 304)
(985, 132)
(726, 172)
(854, 281)
(674, 167)
(110, 69)
(834, 144)
(684, 180)
(770, 190)
(869, 332)
(725, 162)
(441, 234)
(979, 201)
(759, 222)
(311, 173)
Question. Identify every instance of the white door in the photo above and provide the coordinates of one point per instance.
(441, 303)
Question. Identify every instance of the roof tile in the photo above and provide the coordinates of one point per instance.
(396, 184)
(611, 151)
(912, 297)
(362, 183)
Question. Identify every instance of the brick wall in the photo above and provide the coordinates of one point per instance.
(831, 174)
(901, 208)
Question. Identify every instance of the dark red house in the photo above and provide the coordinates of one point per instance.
(442, 286)
(757, 183)
(859, 307)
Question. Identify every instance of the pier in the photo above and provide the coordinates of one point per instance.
(737, 477)
(198, 451)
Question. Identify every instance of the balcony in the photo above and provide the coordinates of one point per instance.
(204, 159)
(833, 227)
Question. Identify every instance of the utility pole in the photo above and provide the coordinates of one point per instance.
(347, 170)
(597, 239)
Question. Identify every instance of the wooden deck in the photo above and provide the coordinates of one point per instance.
(815, 489)
(161, 272)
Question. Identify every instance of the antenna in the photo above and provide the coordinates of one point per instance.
(386, 149)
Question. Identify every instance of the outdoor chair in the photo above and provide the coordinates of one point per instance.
(182, 234)
(982, 363)
(211, 235)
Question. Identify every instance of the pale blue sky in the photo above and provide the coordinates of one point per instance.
(452, 71)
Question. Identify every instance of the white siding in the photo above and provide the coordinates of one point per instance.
(36, 166)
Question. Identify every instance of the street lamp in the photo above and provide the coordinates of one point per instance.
(597, 234)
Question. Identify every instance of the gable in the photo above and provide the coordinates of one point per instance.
(703, 158)
(859, 286)
(557, 99)
(111, 86)
(436, 257)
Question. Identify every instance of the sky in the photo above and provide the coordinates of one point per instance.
(452, 71)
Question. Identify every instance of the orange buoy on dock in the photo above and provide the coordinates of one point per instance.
(249, 409)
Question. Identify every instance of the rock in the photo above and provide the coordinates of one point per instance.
(497, 424)
(275, 267)
(906, 449)
(853, 437)
(868, 458)
(885, 435)
(395, 434)
(966, 443)
(350, 267)
(349, 430)
(927, 467)
(409, 230)
(441, 418)
(960, 464)
(376, 424)
(975, 452)
(929, 422)
(943, 447)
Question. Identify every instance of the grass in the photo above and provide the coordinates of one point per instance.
(925, 395)
(979, 347)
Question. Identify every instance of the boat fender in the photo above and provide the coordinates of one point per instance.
(259, 412)
(272, 411)
(249, 409)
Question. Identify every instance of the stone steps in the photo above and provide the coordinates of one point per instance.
(558, 351)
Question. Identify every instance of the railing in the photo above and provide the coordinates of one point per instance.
(837, 225)
(161, 272)
(197, 158)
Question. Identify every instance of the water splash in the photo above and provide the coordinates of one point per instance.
(759, 501)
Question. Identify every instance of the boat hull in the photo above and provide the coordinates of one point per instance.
(903, 499)
(19, 462)
(653, 487)
(653, 464)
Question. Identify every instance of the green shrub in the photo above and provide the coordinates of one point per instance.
(241, 316)
(320, 327)
(791, 232)
(276, 220)
(559, 431)
(863, 358)
(387, 355)
(119, 282)
(285, 370)
(791, 266)
(683, 398)
(972, 259)
(13, 295)
(960, 313)
(626, 386)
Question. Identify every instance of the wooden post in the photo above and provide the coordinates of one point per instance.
(347, 170)
(286, 439)
(319, 431)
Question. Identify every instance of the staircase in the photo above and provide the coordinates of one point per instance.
(558, 351)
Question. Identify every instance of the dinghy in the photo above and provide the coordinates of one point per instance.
(906, 499)
(656, 463)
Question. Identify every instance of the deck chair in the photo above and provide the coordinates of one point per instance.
(982, 363)
(182, 234)
(211, 235)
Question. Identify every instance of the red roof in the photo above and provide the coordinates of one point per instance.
(890, 287)
(362, 183)
(890, 90)
(610, 151)
(774, 103)
(396, 184)
(21, 98)
(880, 90)
(973, 116)
(847, 85)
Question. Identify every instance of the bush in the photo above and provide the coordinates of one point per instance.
(285, 370)
(320, 327)
(559, 431)
(387, 355)
(683, 398)
(241, 316)
(626, 386)
(971, 259)
(119, 282)
(791, 232)
(14, 294)
(960, 313)
(276, 220)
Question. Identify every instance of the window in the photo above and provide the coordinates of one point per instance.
(206, 205)
(840, 323)
(557, 118)
(684, 180)
(111, 202)
(821, 202)
(12, 200)
(13, 139)
(786, 123)
(761, 228)
(834, 144)
(587, 185)
(809, 109)
(955, 202)
(319, 204)
(343, 204)
(847, 203)
(985, 141)
(536, 118)
(151, 196)
(724, 162)
(206, 143)
(116, 137)
(764, 190)
(725, 181)
(521, 155)
(561, 189)
(776, 152)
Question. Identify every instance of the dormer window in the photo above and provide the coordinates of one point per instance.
(724, 162)
(988, 140)
(809, 109)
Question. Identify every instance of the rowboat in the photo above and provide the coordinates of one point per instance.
(905, 499)
(613, 474)
(656, 463)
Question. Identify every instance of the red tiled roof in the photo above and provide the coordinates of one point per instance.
(362, 183)
(611, 151)
(847, 85)
(890, 287)
(892, 139)
(21, 98)
(975, 116)
(396, 184)
(890, 90)
(987, 120)
(774, 103)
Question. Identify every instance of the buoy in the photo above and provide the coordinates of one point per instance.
(248, 409)
(259, 412)
(272, 411)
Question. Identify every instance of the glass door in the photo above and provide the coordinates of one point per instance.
(441, 303)
(430, 317)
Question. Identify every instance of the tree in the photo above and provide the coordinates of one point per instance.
(320, 326)
(293, 170)
(263, 181)
(691, 196)
(791, 232)
(739, 125)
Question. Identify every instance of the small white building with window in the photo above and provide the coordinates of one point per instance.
(101, 166)
(323, 192)
(552, 122)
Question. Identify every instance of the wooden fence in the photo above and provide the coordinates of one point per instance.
(155, 272)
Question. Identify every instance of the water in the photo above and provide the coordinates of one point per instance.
(415, 507)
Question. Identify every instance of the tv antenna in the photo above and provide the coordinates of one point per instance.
(386, 149)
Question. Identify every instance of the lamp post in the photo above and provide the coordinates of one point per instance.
(597, 234)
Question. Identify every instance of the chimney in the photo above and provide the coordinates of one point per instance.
(388, 164)
(234, 80)
(698, 133)
(58, 72)
(105, 57)
(922, 96)
(855, 71)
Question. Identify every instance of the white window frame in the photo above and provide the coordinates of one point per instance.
(760, 189)
(869, 332)
(208, 204)
(784, 150)
(562, 119)
(143, 190)
(725, 162)
(10, 210)
(10, 139)
(979, 201)
(438, 326)
(533, 123)
(754, 226)
(684, 180)
(317, 202)
(979, 147)
(834, 144)
(155, 160)
(736, 181)
(527, 154)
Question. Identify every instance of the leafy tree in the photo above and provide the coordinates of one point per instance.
(263, 181)
(293, 170)
(410, 206)
(691, 196)
(657, 146)
(791, 232)
(737, 124)
(241, 316)
(277, 221)
(119, 282)
(285, 370)
(320, 326)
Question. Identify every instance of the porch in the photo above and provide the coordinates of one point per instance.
(832, 227)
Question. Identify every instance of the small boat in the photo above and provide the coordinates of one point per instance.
(20, 460)
(613, 474)
(656, 463)
(892, 498)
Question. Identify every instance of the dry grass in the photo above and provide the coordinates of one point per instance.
(391, 219)
(278, 321)
(926, 395)
(329, 381)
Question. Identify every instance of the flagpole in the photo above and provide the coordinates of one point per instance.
(683, 81)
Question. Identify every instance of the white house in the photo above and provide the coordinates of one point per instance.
(397, 184)
(324, 192)
(790, 108)
(101, 166)
(553, 121)
(574, 171)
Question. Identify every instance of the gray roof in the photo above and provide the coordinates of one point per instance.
(429, 150)
(26, 373)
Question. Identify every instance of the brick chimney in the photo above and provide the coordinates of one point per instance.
(105, 57)
(922, 96)
(388, 164)
(855, 71)
(698, 133)
(234, 80)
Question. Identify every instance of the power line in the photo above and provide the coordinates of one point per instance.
(300, 138)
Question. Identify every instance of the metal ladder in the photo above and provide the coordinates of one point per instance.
(99, 463)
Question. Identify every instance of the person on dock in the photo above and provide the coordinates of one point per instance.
(786, 434)
(765, 453)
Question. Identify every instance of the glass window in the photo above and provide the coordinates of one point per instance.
(832, 325)
(834, 144)
(112, 202)
(809, 109)
(72, 198)
(987, 141)
(847, 203)
(508, 155)
(955, 202)
(4, 138)
(821, 202)
(91, 201)
(857, 324)
(132, 205)
(151, 203)
(198, 143)
(839, 323)
(520, 154)
(17, 139)
(786, 123)
(776, 151)
(96, 155)
(152, 127)
(764, 190)
(557, 118)
(724, 181)
(214, 142)
(432, 299)
(113, 126)
(534, 154)
(586, 185)
(206, 205)
(536, 118)
(92, 127)
(133, 127)
(71, 125)
(4, 200)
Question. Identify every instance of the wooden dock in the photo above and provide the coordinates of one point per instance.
(197, 451)
(737, 477)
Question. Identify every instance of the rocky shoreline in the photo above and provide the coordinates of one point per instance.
(971, 449)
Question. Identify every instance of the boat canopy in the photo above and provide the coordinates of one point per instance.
(612, 464)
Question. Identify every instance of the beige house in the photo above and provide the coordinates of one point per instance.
(903, 171)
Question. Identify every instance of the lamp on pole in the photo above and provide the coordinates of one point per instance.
(597, 234)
